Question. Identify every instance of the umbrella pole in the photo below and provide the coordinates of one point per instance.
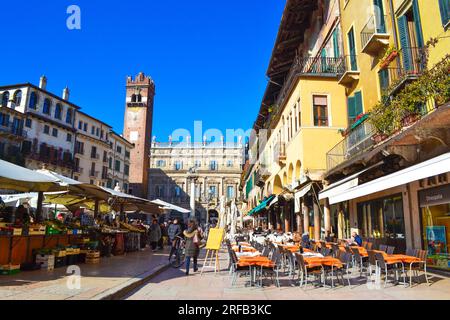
(96, 208)
(39, 206)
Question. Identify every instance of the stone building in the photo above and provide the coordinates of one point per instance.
(218, 171)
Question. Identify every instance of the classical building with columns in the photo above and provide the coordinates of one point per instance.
(218, 167)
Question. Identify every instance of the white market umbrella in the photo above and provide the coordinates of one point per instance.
(168, 206)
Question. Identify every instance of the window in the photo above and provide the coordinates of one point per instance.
(47, 106)
(102, 133)
(69, 116)
(97, 132)
(58, 111)
(33, 101)
(85, 127)
(119, 149)
(110, 163)
(93, 130)
(126, 169)
(213, 165)
(80, 125)
(4, 119)
(383, 77)
(444, 7)
(125, 187)
(5, 99)
(352, 49)
(28, 123)
(55, 132)
(94, 152)
(46, 129)
(117, 166)
(198, 163)
(213, 191)
(229, 163)
(69, 137)
(160, 163)
(320, 106)
(178, 165)
(127, 154)
(230, 192)
(79, 147)
(159, 191)
(177, 191)
(355, 106)
(18, 97)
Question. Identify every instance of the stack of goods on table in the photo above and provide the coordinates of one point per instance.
(36, 229)
(133, 237)
(9, 229)
(9, 269)
(55, 227)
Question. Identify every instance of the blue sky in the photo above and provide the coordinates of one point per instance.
(207, 58)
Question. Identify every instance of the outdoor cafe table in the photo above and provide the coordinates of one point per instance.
(244, 249)
(253, 263)
(327, 261)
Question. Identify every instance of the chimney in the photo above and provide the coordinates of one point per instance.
(43, 83)
(66, 93)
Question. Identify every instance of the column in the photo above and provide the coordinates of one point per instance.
(192, 202)
(287, 214)
(316, 221)
(278, 217)
(327, 217)
(305, 212)
(299, 223)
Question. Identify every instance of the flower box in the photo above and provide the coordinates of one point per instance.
(379, 137)
(386, 61)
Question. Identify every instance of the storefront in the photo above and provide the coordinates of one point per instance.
(340, 220)
(435, 222)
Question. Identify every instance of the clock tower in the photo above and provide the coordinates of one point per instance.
(140, 93)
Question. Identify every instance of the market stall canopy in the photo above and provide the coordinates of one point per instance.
(77, 187)
(15, 200)
(73, 202)
(13, 177)
(129, 202)
(169, 206)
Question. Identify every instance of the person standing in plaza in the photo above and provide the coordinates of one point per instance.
(155, 234)
(163, 236)
(193, 237)
(173, 231)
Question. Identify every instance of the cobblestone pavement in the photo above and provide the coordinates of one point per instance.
(174, 285)
(95, 279)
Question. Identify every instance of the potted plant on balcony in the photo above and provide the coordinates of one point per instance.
(390, 54)
(382, 118)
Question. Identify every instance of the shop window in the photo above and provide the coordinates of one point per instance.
(383, 219)
(435, 216)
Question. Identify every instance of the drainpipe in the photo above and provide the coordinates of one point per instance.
(394, 29)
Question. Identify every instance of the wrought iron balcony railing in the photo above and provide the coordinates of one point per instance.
(374, 35)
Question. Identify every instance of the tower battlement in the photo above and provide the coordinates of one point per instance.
(140, 80)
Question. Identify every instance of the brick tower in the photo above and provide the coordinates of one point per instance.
(138, 130)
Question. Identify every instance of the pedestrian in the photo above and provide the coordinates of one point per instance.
(173, 231)
(155, 234)
(193, 237)
(163, 236)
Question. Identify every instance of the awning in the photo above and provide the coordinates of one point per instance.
(344, 184)
(429, 168)
(300, 194)
(169, 206)
(261, 206)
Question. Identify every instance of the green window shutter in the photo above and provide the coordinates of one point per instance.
(418, 24)
(383, 76)
(351, 109)
(379, 16)
(336, 43)
(444, 7)
(351, 44)
(405, 43)
(358, 103)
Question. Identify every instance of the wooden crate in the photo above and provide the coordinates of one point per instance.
(92, 254)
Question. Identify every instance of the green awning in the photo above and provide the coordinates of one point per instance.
(261, 206)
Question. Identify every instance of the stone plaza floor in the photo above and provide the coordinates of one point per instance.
(174, 285)
(96, 282)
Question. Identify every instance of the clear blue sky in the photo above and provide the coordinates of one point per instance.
(208, 58)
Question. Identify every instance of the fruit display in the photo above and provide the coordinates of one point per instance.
(131, 228)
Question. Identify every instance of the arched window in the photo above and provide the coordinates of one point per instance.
(69, 116)
(5, 99)
(133, 98)
(58, 111)
(139, 98)
(47, 106)
(33, 100)
(18, 97)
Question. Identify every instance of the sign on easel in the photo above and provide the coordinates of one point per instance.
(215, 238)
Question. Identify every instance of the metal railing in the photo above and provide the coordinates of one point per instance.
(371, 28)
(358, 141)
(10, 129)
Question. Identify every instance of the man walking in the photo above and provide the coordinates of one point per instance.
(173, 231)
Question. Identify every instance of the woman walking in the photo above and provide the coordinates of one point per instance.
(193, 237)
(155, 234)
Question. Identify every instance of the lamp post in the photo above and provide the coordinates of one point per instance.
(192, 175)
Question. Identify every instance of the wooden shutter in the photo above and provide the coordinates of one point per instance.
(444, 7)
(383, 76)
(405, 42)
(351, 43)
(336, 43)
(351, 109)
(418, 24)
(358, 103)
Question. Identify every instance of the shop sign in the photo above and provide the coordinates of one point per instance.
(435, 196)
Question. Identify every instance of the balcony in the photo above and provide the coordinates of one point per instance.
(135, 104)
(95, 156)
(350, 74)
(357, 141)
(374, 37)
(407, 66)
(78, 170)
(280, 153)
(13, 132)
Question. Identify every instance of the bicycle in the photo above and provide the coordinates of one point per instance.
(178, 258)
